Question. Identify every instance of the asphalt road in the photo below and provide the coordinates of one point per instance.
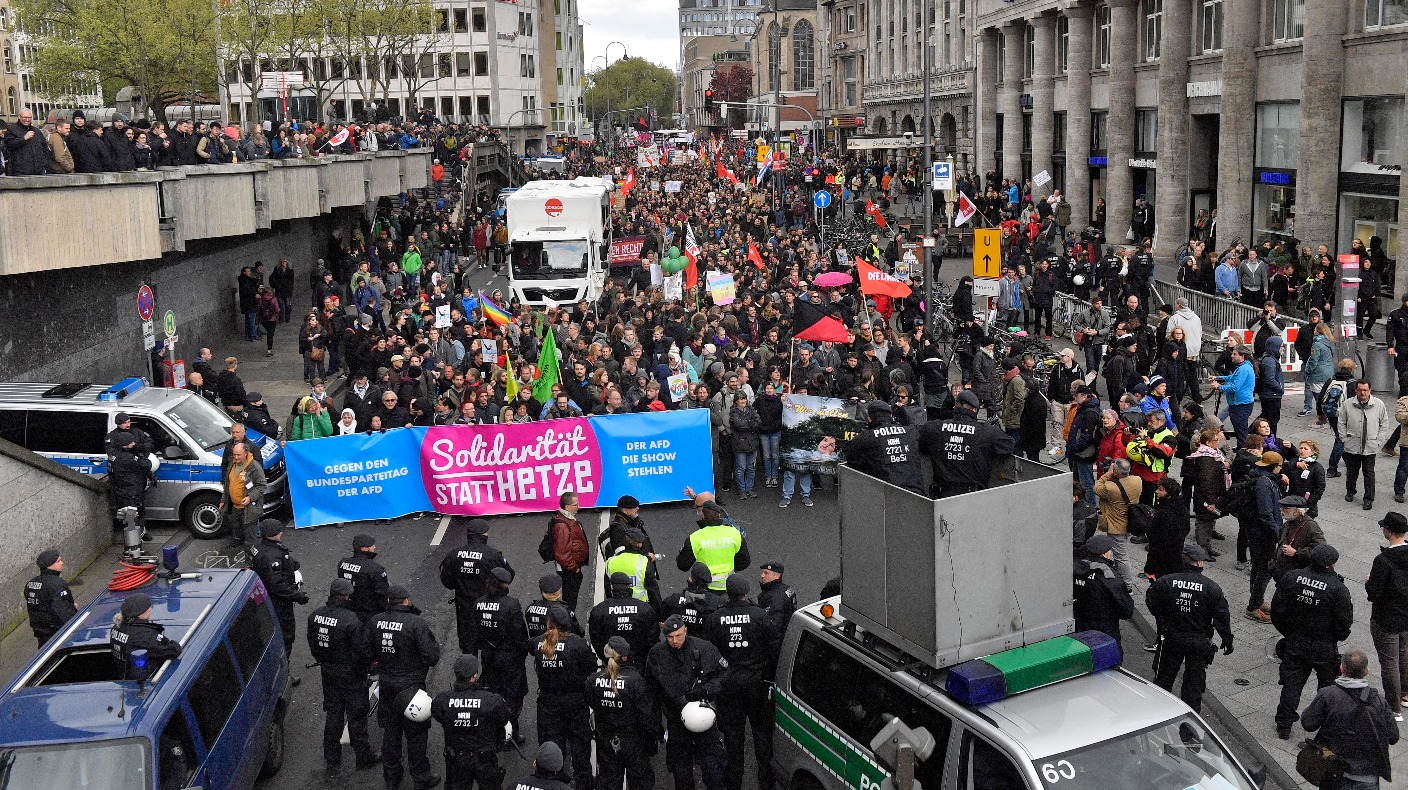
(805, 539)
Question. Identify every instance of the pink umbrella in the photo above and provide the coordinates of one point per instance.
(832, 280)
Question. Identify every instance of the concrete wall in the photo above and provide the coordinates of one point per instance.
(45, 504)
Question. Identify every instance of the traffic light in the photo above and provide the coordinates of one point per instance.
(709, 100)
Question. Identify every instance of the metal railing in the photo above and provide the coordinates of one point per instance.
(1217, 314)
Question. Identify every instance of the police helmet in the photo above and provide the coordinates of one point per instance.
(698, 717)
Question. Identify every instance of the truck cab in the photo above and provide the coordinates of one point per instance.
(560, 238)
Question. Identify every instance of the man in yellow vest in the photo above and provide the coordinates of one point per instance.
(717, 543)
(632, 560)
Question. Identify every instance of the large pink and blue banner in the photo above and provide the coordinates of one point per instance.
(489, 470)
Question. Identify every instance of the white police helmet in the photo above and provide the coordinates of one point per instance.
(1079, 279)
(697, 717)
(418, 709)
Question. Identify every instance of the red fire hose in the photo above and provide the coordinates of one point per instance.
(132, 575)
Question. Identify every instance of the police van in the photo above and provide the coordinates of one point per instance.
(68, 423)
(212, 718)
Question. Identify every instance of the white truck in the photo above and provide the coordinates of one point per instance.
(560, 234)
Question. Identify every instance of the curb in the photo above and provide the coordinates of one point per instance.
(1231, 724)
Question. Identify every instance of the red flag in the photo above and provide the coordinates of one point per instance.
(691, 251)
(874, 281)
(628, 183)
(724, 172)
(809, 322)
(874, 211)
(966, 210)
(754, 256)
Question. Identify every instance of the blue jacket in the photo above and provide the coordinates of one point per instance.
(1272, 382)
(1149, 403)
(1227, 280)
(1266, 496)
(1240, 384)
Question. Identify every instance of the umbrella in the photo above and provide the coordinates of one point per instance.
(832, 280)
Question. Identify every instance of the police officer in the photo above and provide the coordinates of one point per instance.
(123, 421)
(1188, 607)
(1107, 273)
(269, 558)
(476, 725)
(369, 584)
(564, 661)
(716, 543)
(128, 475)
(1141, 271)
(338, 643)
(465, 571)
(963, 451)
(776, 598)
(48, 598)
(405, 650)
(630, 558)
(1101, 600)
(696, 601)
(621, 614)
(535, 614)
(685, 669)
(745, 636)
(1313, 610)
(547, 771)
(502, 637)
(887, 451)
(627, 516)
(625, 719)
(133, 629)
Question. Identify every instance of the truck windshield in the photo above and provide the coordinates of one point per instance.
(1178, 754)
(550, 260)
(105, 765)
(207, 425)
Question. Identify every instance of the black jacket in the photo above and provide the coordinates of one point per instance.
(780, 602)
(465, 569)
(565, 672)
(26, 157)
(623, 707)
(746, 637)
(1101, 600)
(626, 617)
(369, 584)
(693, 672)
(473, 718)
(1387, 589)
(1313, 605)
(1356, 724)
(90, 152)
(49, 601)
(407, 646)
(337, 639)
(1190, 604)
(888, 452)
(275, 566)
(141, 635)
(120, 150)
(1166, 535)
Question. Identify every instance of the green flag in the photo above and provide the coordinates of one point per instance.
(547, 368)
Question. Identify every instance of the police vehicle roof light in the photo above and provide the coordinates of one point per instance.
(122, 389)
(137, 665)
(985, 680)
(170, 557)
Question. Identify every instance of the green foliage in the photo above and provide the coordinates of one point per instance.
(631, 82)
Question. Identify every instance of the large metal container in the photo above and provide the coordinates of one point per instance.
(1378, 367)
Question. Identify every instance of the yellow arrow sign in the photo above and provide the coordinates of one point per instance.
(987, 253)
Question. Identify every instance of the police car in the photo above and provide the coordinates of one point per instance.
(212, 718)
(1057, 714)
(68, 423)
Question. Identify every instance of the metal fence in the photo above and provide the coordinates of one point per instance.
(1217, 314)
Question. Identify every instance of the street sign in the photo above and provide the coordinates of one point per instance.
(170, 341)
(168, 323)
(146, 303)
(943, 175)
(822, 199)
(985, 287)
(987, 253)
(148, 335)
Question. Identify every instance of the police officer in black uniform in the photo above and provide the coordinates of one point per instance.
(129, 475)
(369, 584)
(547, 771)
(338, 643)
(887, 451)
(745, 636)
(1188, 607)
(133, 629)
(564, 661)
(405, 650)
(123, 421)
(1101, 600)
(776, 598)
(48, 598)
(623, 615)
(696, 601)
(466, 571)
(1141, 268)
(963, 451)
(684, 669)
(626, 721)
(1107, 274)
(475, 721)
(275, 566)
(502, 637)
(535, 614)
(1313, 610)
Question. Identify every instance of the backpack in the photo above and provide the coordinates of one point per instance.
(1331, 396)
(1239, 500)
(545, 546)
(268, 311)
(1140, 516)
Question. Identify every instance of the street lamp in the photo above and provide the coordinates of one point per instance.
(509, 125)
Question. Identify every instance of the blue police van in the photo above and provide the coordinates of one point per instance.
(212, 718)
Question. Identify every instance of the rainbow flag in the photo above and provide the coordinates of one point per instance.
(493, 312)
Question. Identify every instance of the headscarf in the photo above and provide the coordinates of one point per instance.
(342, 428)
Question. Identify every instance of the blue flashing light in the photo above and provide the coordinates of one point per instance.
(1104, 650)
(170, 557)
(123, 389)
(976, 682)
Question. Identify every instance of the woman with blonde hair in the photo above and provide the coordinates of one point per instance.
(564, 661)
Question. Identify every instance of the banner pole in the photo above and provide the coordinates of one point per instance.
(791, 363)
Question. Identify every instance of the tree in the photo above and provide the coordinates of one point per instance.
(732, 83)
(631, 83)
(165, 48)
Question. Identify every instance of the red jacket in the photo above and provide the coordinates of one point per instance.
(569, 543)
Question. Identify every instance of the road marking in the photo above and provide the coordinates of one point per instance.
(440, 532)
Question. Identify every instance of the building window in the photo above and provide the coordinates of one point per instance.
(444, 26)
(1001, 58)
(1028, 51)
(1102, 37)
(466, 108)
(482, 105)
(848, 17)
(461, 21)
(774, 45)
(1212, 25)
(1153, 28)
(10, 102)
(558, 40)
(1063, 45)
(478, 20)
(803, 57)
(1058, 133)
(559, 76)
(462, 68)
(1146, 132)
(848, 71)
(1377, 13)
(9, 62)
(442, 61)
(1278, 135)
(1289, 20)
(1097, 130)
(1373, 136)
(481, 64)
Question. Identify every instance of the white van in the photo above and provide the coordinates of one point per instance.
(68, 423)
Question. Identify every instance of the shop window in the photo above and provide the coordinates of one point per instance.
(1373, 136)
(1364, 216)
(1288, 20)
(1277, 135)
(1382, 13)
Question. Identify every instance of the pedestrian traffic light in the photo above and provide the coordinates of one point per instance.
(709, 100)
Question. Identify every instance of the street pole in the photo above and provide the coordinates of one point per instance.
(928, 172)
